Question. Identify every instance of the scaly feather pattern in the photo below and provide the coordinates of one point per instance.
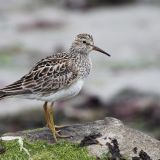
(58, 76)
(47, 76)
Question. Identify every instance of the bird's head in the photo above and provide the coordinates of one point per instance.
(84, 43)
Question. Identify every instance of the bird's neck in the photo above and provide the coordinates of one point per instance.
(83, 61)
(80, 57)
(78, 52)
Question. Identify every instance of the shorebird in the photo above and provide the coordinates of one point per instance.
(56, 78)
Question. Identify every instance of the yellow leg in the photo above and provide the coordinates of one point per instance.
(49, 119)
(48, 112)
(45, 113)
(52, 122)
(58, 126)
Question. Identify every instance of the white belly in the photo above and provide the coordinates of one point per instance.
(71, 91)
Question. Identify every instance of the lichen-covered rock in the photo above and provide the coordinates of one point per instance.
(102, 136)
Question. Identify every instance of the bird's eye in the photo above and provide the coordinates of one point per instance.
(84, 42)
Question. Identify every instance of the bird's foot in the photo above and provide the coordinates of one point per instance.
(61, 126)
(58, 135)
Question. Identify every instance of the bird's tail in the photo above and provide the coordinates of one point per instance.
(2, 95)
(13, 89)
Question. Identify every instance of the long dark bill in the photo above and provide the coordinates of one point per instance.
(100, 50)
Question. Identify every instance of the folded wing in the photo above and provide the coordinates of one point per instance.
(48, 76)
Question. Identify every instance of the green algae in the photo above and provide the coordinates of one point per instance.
(40, 150)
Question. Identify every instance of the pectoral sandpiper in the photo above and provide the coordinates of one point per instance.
(56, 77)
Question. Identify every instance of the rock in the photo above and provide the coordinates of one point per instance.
(110, 135)
(130, 104)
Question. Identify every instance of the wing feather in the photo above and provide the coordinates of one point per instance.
(49, 75)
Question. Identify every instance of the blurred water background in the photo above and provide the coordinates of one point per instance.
(125, 86)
